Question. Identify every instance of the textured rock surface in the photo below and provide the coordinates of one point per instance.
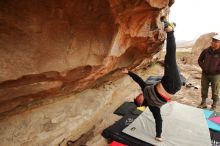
(51, 50)
(59, 47)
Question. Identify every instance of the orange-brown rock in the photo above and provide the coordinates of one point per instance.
(56, 47)
(52, 49)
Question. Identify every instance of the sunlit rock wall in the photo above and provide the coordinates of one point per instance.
(53, 48)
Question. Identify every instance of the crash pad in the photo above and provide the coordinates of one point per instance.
(151, 80)
(128, 108)
(114, 132)
(211, 125)
(215, 120)
(182, 125)
(115, 143)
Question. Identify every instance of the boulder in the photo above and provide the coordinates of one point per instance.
(54, 53)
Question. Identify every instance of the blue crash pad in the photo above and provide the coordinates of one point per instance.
(211, 125)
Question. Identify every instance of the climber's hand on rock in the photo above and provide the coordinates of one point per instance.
(124, 70)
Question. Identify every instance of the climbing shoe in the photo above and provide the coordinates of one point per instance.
(172, 24)
(159, 139)
(167, 23)
(202, 105)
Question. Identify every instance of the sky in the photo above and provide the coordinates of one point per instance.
(195, 18)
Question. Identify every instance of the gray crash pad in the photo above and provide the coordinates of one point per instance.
(182, 126)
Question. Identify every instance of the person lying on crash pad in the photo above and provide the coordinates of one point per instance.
(154, 96)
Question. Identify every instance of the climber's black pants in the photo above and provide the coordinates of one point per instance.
(171, 79)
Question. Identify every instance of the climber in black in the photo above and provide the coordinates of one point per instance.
(154, 96)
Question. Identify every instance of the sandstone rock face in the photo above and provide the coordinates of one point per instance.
(64, 46)
(52, 49)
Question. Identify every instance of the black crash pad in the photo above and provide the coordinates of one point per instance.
(215, 137)
(114, 132)
(127, 108)
(151, 80)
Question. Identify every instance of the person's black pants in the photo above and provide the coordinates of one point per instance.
(158, 119)
(171, 79)
(155, 110)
